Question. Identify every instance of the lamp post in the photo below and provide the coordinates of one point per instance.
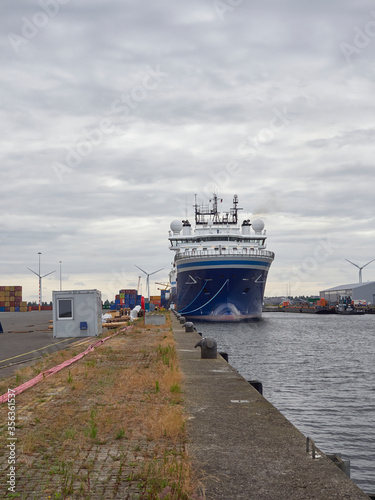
(60, 262)
(40, 284)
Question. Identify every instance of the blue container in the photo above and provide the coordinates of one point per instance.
(2, 309)
(117, 301)
(118, 307)
(17, 309)
(112, 307)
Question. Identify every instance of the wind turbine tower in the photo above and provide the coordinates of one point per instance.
(40, 281)
(360, 268)
(148, 279)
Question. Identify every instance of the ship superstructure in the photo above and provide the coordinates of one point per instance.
(220, 267)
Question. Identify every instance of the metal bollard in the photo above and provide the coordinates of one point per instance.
(208, 348)
(182, 320)
(257, 385)
(189, 326)
(224, 355)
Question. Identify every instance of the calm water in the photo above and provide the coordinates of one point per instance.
(319, 372)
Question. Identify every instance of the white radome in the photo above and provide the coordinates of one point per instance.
(258, 225)
(176, 226)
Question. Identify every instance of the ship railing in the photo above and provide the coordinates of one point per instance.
(239, 253)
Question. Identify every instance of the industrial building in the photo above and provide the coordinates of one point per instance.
(359, 292)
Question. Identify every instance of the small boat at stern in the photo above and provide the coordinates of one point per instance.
(220, 267)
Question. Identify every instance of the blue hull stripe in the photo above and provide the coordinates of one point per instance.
(225, 263)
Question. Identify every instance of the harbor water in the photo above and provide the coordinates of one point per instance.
(319, 371)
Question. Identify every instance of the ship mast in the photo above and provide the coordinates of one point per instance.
(203, 211)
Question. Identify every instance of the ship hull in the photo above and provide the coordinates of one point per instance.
(221, 288)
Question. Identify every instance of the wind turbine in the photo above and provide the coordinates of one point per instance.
(360, 268)
(40, 280)
(148, 279)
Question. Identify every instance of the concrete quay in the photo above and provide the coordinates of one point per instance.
(241, 446)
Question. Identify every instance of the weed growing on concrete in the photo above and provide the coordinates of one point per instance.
(92, 430)
(120, 434)
(176, 389)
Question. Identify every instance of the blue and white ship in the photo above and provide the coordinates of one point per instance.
(220, 268)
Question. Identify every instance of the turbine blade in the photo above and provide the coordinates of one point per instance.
(157, 271)
(368, 263)
(141, 269)
(48, 274)
(353, 263)
(33, 272)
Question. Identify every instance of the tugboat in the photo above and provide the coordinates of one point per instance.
(220, 268)
(345, 306)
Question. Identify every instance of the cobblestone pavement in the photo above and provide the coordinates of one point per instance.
(98, 429)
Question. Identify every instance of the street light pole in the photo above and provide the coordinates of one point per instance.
(60, 275)
(40, 284)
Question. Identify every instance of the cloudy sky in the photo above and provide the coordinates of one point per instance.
(115, 113)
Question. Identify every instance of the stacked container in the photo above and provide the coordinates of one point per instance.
(126, 298)
(155, 299)
(11, 299)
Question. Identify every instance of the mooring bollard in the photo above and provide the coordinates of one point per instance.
(189, 326)
(182, 320)
(257, 385)
(224, 355)
(208, 348)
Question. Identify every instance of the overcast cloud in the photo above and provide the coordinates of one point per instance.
(114, 113)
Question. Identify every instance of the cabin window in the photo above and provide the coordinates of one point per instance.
(64, 308)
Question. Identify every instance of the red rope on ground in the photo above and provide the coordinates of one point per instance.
(55, 369)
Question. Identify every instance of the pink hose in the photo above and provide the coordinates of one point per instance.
(55, 369)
